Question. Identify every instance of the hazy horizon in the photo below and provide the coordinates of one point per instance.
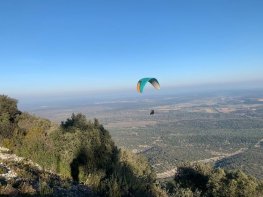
(87, 98)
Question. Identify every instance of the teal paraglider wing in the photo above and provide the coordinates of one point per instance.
(142, 82)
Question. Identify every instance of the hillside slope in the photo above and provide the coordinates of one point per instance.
(22, 177)
(79, 158)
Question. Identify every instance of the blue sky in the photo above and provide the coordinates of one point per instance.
(63, 47)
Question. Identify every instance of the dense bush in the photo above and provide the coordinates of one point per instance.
(83, 150)
(202, 180)
(8, 115)
(79, 149)
(95, 160)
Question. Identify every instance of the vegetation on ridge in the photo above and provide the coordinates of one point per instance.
(83, 154)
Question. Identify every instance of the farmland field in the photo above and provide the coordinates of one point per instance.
(222, 128)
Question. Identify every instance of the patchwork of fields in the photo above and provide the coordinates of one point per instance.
(225, 130)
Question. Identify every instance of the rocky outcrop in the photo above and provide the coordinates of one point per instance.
(22, 177)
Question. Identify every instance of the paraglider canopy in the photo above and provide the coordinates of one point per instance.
(142, 82)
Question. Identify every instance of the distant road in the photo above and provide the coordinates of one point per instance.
(257, 145)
